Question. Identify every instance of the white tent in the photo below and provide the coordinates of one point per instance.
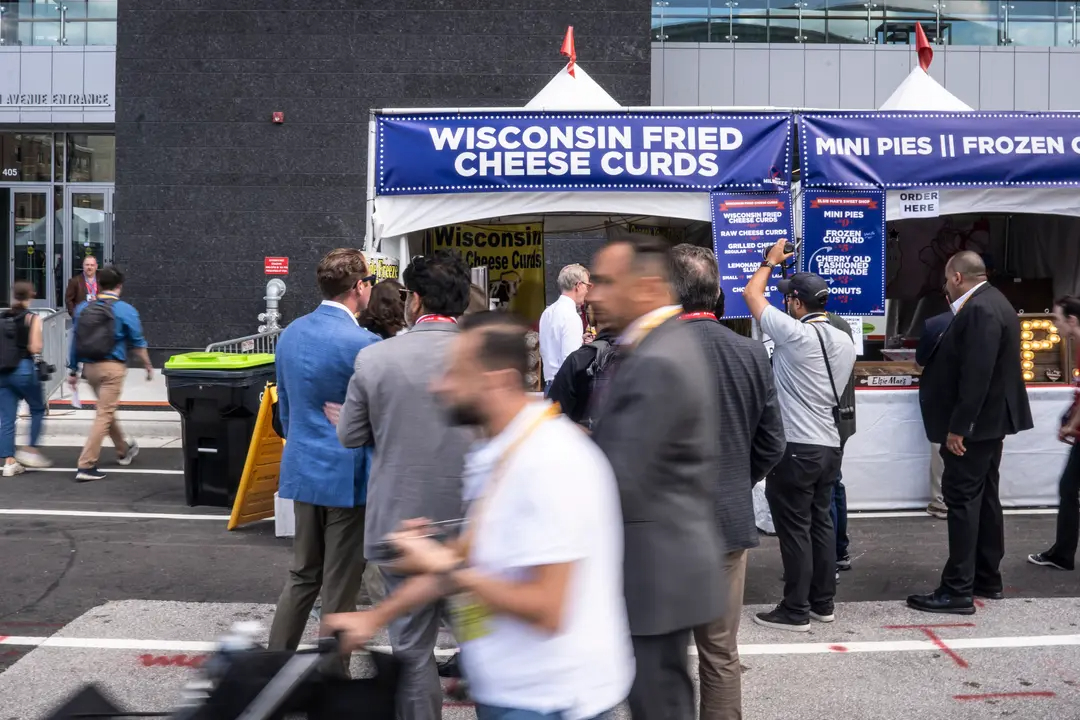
(392, 216)
(919, 91)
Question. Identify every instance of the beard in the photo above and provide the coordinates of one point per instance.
(464, 415)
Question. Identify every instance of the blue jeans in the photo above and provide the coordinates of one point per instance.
(490, 712)
(21, 383)
(839, 516)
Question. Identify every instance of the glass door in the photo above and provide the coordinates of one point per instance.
(29, 243)
(89, 228)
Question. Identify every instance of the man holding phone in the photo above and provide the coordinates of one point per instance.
(812, 364)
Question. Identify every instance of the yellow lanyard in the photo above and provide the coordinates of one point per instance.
(481, 504)
(653, 321)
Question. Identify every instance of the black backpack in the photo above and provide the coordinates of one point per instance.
(604, 352)
(10, 352)
(95, 332)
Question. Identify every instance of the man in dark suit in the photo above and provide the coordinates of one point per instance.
(751, 442)
(933, 328)
(657, 424)
(972, 395)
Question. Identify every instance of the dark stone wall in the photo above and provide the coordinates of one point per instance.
(207, 185)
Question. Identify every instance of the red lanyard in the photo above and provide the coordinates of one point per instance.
(702, 315)
(91, 286)
(435, 319)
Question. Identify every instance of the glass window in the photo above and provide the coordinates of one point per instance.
(91, 158)
(750, 21)
(58, 157)
(26, 157)
(900, 20)
(1033, 23)
(100, 33)
(784, 25)
(101, 9)
(971, 22)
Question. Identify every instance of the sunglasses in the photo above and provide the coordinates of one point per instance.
(369, 280)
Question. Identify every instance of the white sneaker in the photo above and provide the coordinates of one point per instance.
(32, 459)
(13, 469)
(133, 451)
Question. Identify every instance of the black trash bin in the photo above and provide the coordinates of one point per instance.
(218, 397)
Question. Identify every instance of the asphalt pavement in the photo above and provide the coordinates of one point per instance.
(119, 581)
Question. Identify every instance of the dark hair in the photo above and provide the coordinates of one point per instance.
(813, 304)
(503, 344)
(340, 271)
(385, 312)
(441, 280)
(650, 254)
(696, 278)
(718, 309)
(1070, 306)
(23, 292)
(110, 278)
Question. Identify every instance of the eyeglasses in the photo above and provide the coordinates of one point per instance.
(404, 294)
(369, 280)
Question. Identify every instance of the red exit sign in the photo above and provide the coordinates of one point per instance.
(276, 266)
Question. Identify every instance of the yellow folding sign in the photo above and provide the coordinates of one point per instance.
(255, 496)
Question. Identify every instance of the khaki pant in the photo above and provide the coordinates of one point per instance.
(719, 669)
(937, 467)
(106, 379)
(328, 556)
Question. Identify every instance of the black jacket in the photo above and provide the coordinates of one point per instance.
(751, 428)
(572, 386)
(933, 329)
(972, 385)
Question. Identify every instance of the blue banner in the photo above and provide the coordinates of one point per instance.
(552, 152)
(843, 241)
(744, 227)
(910, 150)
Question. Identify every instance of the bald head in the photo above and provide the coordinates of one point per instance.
(963, 272)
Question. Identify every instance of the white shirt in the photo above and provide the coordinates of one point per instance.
(964, 298)
(560, 334)
(555, 502)
(339, 306)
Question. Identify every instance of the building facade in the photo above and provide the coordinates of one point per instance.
(143, 132)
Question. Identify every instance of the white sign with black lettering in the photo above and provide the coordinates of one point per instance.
(855, 323)
(920, 203)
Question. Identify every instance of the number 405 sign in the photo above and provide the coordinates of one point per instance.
(9, 172)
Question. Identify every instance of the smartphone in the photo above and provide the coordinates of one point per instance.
(386, 551)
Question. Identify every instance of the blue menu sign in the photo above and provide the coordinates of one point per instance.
(844, 243)
(745, 225)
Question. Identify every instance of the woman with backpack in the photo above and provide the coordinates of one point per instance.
(20, 340)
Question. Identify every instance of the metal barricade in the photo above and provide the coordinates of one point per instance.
(261, 343)
(55, 336)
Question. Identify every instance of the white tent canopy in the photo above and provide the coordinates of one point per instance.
(919, 91)
(398, 215)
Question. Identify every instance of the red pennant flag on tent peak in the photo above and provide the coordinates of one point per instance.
(922, 47)
(569, 51)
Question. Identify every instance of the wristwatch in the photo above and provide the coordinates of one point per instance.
(768, 264)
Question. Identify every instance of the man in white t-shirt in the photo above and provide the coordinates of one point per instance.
(561, 330)
(535, 580)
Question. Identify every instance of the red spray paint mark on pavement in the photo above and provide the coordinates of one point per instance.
(189, 661)
(923, 627)
(998, 696)
(3, 638)
(979, 604)
(940, 644)
(838, 648)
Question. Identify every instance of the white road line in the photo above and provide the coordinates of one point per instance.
(121, 515)
(875, 515)
(836, 648)
(113, 471)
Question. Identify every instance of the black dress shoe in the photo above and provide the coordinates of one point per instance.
(989, 594)
(939, 602)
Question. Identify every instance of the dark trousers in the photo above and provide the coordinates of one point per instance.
(328, 556)
(800, 493)
(1068, 519)
(662, 687)
(976, 527)
(839, 516)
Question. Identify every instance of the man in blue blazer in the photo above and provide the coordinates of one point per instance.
(933, 329)
(326, 482)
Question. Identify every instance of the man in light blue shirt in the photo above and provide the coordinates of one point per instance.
(106, 372)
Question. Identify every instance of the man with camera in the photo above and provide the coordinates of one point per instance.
(812, 363)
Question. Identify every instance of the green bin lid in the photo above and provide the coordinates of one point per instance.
(218, 361)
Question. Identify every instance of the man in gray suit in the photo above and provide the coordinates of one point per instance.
(657, 424)
(418, 454)
(751, 442)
